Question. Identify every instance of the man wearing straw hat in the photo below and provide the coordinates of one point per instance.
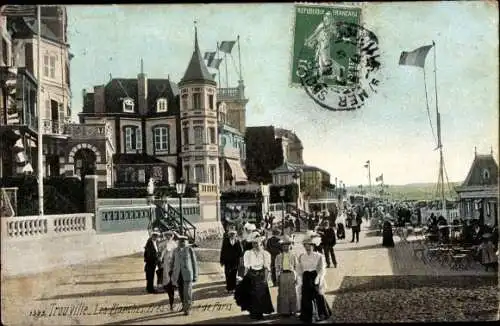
(286, 264)
(230, 257)
(151, 255)
(185, 272)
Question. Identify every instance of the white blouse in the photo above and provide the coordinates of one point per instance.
(312, 262)
(257, 260)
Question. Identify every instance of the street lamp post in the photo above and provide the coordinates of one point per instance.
(150, 200)
(181, 188)
(282, 195)
(296, 178)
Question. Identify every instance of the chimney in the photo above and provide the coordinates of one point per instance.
(142, 91)
(99, 103)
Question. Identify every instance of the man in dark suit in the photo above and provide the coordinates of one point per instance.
(273, 246)
(328, 241)
(151, 260)
(356, 224)
(230, 256)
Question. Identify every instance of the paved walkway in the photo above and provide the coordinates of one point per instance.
(113, 291)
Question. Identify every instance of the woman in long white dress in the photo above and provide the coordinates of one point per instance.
(311, 270)
(166, 258)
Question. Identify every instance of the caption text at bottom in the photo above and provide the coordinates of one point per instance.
(82, 309)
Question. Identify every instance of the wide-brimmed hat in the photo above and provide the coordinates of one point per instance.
(232, 231)
(249, 226)
(156, 231)
(182, 237)
(286, 240)
(308, 240)
(255, 237)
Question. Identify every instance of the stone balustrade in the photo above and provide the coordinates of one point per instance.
(123, 219)
(25, 227)
(208, 189)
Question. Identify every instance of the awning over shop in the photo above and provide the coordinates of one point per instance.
(237, 171)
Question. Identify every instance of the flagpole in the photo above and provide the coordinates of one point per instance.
(227, 78)
(218, 66)
(427, 104)
(39, 107)
(239, 57)
(440, 145)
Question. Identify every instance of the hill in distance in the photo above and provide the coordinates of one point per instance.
(414, 191)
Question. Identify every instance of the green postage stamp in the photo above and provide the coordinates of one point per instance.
(333, 55)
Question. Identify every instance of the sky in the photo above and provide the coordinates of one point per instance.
(391, 130)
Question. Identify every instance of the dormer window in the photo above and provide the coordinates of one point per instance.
(128, 105)
(485, 174)
(161, 105)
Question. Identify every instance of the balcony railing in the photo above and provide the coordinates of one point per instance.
(80, 131)
(228, 93)
(230, 152)
(83, 131)
(50, 127)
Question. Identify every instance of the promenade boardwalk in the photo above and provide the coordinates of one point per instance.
(379, 284)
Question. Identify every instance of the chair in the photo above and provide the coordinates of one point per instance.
(458, 261)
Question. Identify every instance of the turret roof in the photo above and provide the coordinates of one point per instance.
(197, 70)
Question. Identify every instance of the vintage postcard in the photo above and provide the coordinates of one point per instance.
(249, 163)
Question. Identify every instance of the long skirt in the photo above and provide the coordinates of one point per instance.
(387, 238)
(313, 305)
(252, 293)
(287, 296)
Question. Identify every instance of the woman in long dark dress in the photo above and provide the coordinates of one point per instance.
(252, 293)
(311, 271)
(387, 238)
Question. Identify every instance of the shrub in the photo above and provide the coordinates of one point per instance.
(141, 192)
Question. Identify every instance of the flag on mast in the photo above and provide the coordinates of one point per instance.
(227, 46)
(415, 57)
(209, 56)
(380, 178)
(367, 164)
(215, 63)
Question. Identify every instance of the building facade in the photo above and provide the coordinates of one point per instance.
(232, 151)
(478, 195)
(292, 146)
(19, 113)
(141, 116)
(268, 148)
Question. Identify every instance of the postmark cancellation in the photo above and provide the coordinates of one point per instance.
(334, 59)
